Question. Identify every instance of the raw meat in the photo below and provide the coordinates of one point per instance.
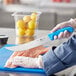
(34, 52)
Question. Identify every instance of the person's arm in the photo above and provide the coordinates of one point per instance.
(72, 22)
(62, 57)
(53, 61)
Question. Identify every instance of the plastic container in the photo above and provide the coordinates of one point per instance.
(26, 23)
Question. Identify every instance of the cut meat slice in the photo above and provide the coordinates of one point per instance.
(34, 52)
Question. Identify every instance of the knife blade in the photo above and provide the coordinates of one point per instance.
(39, 41)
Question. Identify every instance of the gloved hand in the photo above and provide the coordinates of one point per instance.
(65, 34)
(27, 62)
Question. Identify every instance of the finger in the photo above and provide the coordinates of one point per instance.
(59, 26)
(55, 37)
(67, 34)
(60, 35)
(54, 29)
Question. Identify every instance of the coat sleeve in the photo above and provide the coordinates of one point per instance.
(62, 57)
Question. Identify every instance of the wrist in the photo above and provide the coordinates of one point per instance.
(72, 23)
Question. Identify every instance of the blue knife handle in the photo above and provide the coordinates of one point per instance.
(56, 33)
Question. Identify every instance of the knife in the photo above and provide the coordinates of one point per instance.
(39, 41)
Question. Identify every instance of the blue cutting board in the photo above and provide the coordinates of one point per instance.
(5, 54)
